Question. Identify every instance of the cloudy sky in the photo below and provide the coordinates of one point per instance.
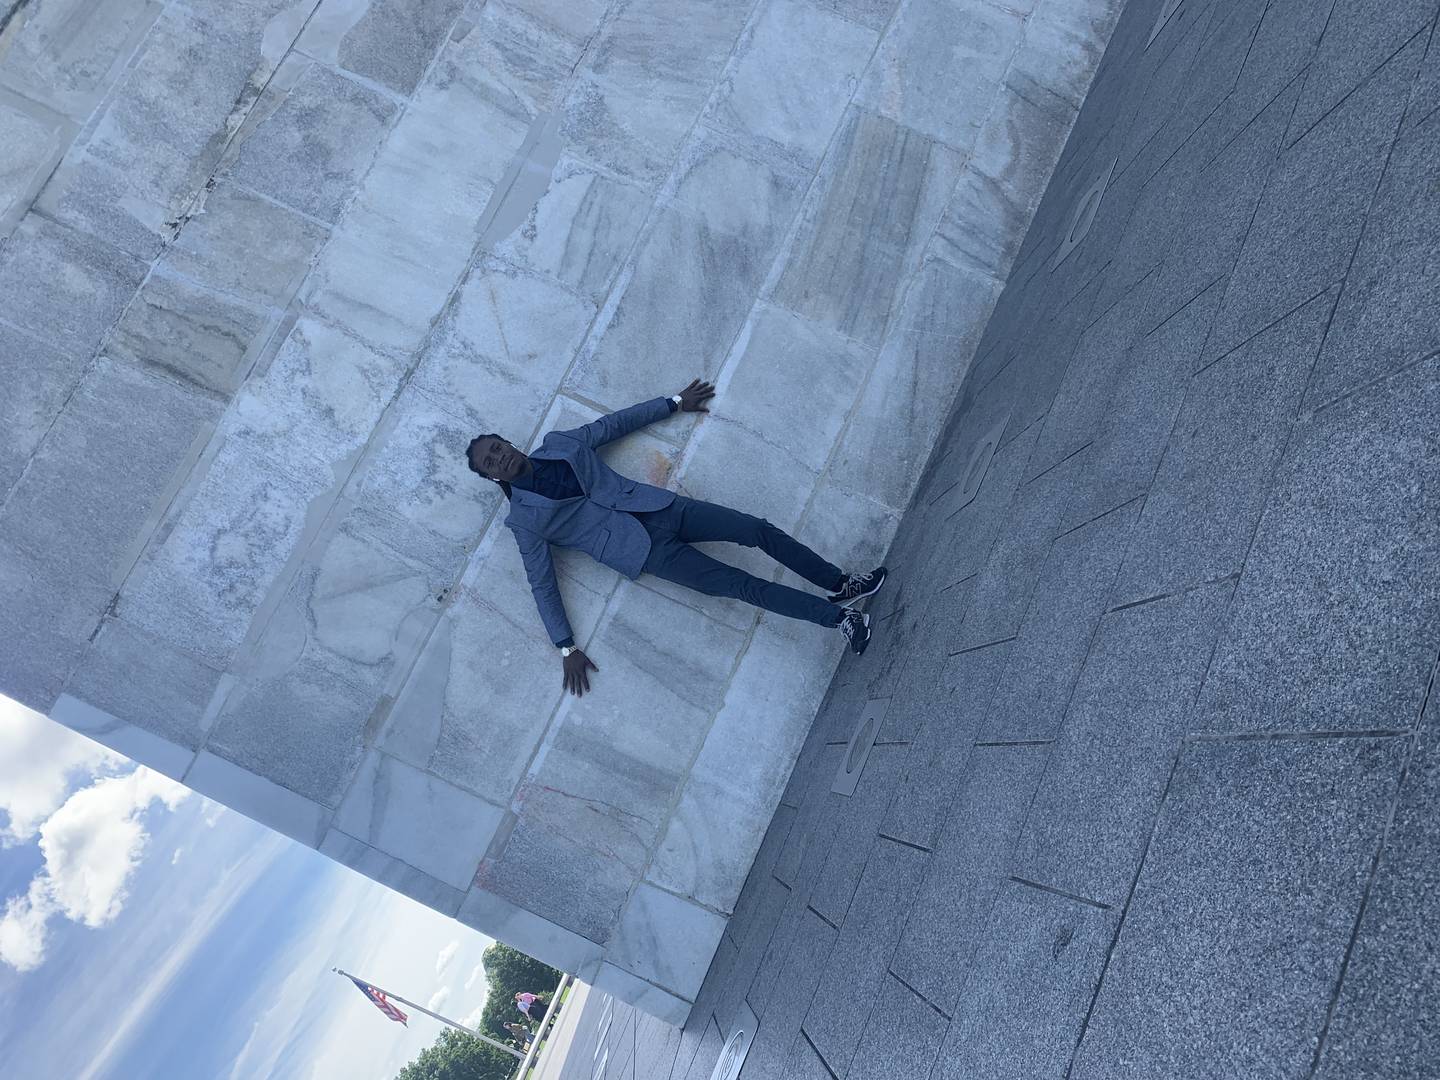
(145, 931)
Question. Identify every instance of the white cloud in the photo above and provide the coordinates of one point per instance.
(445, 955)
(175, 856)
(91, 845)
(475, 976)
(40, 761)
(438, 999)
(211, 811)
(472, 1019)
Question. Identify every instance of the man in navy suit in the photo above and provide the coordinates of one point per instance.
(563, 494)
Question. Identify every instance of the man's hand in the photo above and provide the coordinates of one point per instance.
(694, 396)
(577, 681)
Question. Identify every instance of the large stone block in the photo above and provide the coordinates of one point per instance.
(1030, 987)
(940, 66)
(316, 403)
(483, 690)
(645, 81)
(385, 40)
(1218, 467)
(246, 246)
(418, 818)
(810, 941)
(1087, 830)
(834, 891)
(1015, 153)
(258, 799)
(33, 141)
(579, 230)
(146, 683)
(853, 251)
(1062, 46)
(63, 286)
(312, 141)
(504, 343)
(692, 280)
(1335, 616)
(415, 468)
(392, 873)
(65, 54)
(46, 620)
(902, 1036)
(531, 934)
(201, 585)
(665, 940)
(100, 478)
(166, 124)
(38, 379)
(137, 743)
(192, 333)
(916, 376)
(1216, 969)
(792, 73)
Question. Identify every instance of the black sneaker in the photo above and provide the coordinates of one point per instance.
(859, 586)
(855, 625)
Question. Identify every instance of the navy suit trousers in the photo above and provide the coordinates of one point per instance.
(687, 521)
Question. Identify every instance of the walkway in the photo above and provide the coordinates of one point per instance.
(1154, 790)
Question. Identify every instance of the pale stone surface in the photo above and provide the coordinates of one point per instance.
(790, 78)
(654, 924)
(417, 818)
(294, 254)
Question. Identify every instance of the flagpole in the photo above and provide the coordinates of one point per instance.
(435, 1016)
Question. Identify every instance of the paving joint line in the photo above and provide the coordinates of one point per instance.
(1059, 892)
(894, 975)
(1196, 738)
(904, 843)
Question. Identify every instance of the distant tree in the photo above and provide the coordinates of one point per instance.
(457, 1056)
(509, 972)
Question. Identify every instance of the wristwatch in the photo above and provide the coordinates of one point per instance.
(567, 650)
(677, 401)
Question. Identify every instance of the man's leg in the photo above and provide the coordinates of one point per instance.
(682, 564)
(702, 522)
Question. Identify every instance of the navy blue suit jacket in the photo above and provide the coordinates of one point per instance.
(601, 521)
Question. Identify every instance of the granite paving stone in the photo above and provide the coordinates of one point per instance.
(1313, 210)
(971, 860)
(1141, 413)
(940, 748)
(1199, 517)
(903, 1035)
(1337, 613)
(856, 967)
(1235, 935)
(1385, 1024)
(1382, 320)
(1030, 985)
(1283, 46)
(1359, 36)
(805, 963)
(1003, 589)
(858, 821)
(967, 535)
(1053, 641)
(1087, 829)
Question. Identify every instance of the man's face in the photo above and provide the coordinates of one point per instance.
(498, 459)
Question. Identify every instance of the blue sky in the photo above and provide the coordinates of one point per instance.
(146, 932)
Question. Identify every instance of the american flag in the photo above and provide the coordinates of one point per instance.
(381, 1001)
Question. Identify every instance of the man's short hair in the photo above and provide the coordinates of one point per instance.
(470, 460)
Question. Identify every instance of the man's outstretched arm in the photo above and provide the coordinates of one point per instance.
(622, 422)
(540, 572)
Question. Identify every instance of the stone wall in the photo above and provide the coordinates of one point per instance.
(268, 264)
